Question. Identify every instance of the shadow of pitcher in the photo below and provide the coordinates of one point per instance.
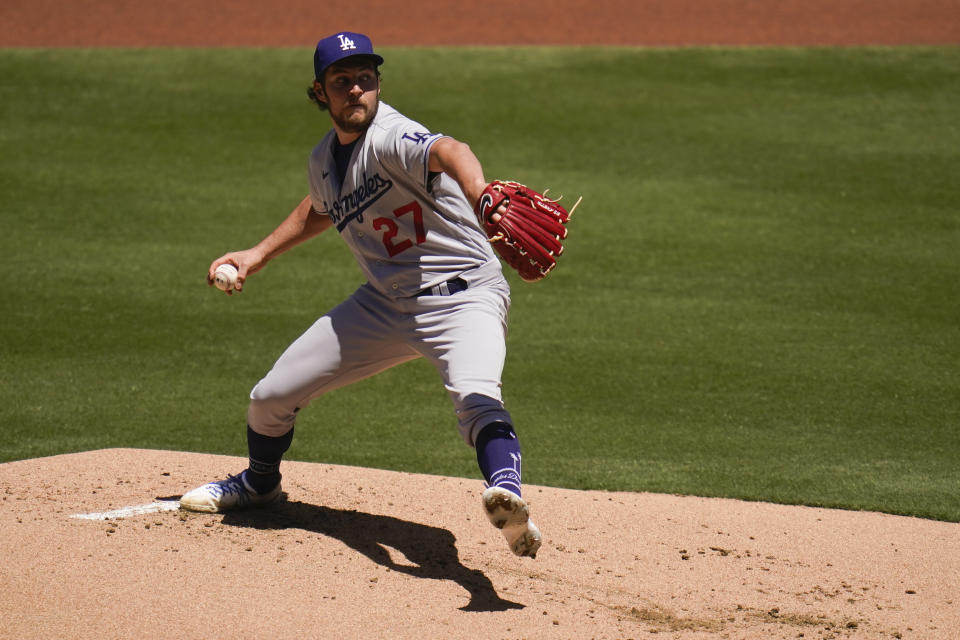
(431, 550)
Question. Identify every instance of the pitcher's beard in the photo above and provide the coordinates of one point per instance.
(349, 125)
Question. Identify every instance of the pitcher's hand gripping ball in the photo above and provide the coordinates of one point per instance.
(225, 277)
(529, 234)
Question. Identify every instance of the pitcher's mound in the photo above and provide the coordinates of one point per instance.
(91, 550)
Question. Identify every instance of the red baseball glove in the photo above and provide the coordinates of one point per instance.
(529, 235)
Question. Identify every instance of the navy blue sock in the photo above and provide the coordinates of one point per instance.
(266, 452)
(498, 453)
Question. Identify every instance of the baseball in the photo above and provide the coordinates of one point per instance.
(225, 277)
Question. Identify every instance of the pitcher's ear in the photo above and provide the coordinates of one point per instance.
(316, 95)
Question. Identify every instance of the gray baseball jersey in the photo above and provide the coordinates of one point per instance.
(408, 229)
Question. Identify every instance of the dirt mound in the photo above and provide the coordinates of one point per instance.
(360, 553)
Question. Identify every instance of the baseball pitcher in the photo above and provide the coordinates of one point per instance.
(425, 228)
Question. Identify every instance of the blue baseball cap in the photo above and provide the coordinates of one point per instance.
(339, 46)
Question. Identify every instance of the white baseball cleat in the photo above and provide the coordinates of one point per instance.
(508, 512)
(223, 495)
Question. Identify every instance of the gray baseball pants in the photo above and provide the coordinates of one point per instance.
(462, 335)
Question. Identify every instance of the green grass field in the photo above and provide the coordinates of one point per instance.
(759, 297)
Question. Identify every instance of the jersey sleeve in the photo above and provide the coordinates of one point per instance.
(406, 148)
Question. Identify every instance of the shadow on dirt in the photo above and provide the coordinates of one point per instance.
(431, 551)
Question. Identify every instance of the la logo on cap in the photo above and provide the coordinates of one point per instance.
(338, 46)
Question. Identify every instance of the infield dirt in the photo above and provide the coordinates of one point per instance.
(361, 553)
(505, 22)
(364, 553)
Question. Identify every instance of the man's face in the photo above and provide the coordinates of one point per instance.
(352, 91)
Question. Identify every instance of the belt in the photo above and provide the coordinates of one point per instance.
(447, 288)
